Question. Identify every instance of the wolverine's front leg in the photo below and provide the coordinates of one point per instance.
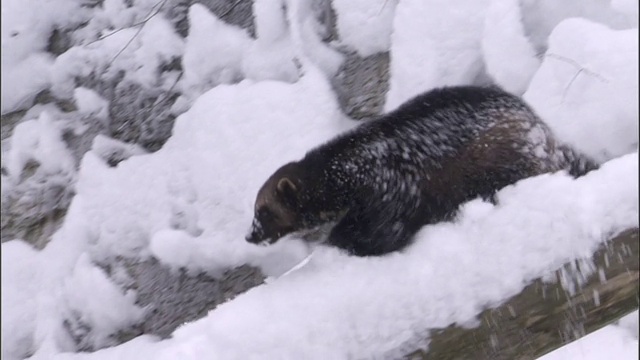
(369, 231)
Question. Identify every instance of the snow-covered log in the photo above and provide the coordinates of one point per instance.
(547, 315)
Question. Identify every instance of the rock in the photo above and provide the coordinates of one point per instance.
(59, 41)
(34, 209)
(174, 297)
(327, 17)
(361, 84)
(176, 11)
(9, 121)
(141, 116)
(234, 12)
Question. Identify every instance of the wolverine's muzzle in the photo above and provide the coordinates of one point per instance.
(256, 235)
(255, 238)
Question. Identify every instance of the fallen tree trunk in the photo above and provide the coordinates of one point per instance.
(545, 315)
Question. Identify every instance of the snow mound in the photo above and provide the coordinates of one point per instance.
(425, 55)
(213, 52)
(611, 342)
(20, 286)
(272, 55)
(365, 25)
(587, 88)
(503, 29)
(26, 27)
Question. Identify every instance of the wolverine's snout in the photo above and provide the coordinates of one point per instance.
(256, 235)
(253, 236)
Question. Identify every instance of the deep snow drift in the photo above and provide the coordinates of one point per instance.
(235, 135)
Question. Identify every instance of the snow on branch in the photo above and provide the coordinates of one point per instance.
(545, 316)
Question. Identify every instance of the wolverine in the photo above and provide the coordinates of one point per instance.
(380, 182)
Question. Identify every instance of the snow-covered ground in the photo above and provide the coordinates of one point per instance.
(611, 342)
(577, 68)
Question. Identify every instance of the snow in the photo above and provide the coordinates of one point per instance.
(32, 75)
(580, 89)
(540, 17)
(142, 48)
(365, 25)
(26, 25)
(503, 28)
(20, 271)
(213, 51)
(255, 104)
(89, 103)
(629, 7)
(38, 140)
(305, 34)
(271, 56)
(159, 45)
(611, 342)
(425, 55)
(87, 290)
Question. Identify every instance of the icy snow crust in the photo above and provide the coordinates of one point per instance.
(190, 203)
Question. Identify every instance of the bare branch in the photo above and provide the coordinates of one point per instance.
(148, 17)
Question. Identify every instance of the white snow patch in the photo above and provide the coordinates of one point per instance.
(540, 17)
(173, 247)
(509, 57)
(213, 52)
(630, 323)
(587, 88)
(20, 270)
(305, 33)
(628, 7)
(87, 291)
(26, 27)
(110, 149)
(365, 25)
(22, 81)
(138, 51)
(159, 45)
(39, 140)
(610, 342)
(89, 103)
(271, 56)
(434, 44)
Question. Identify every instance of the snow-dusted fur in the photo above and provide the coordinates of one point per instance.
(414, 166)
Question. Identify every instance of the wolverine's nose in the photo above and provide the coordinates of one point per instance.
(252, 237)
(255, 236)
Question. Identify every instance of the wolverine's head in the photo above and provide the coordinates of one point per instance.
(277, 207)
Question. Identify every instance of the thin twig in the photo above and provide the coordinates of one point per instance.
(383, 6)
(136, 34)
(230, 9)
(580, 69)
(167, 94)
(576, 65)
(148, 17)
(125, 46)
(566, 89)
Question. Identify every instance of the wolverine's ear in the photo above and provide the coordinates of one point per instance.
(286, 186)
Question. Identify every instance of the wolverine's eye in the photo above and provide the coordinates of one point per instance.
(266, 214)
